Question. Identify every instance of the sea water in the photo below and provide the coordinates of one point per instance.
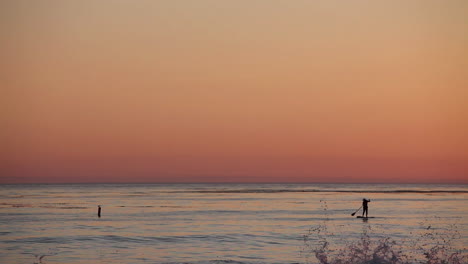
(232, 223)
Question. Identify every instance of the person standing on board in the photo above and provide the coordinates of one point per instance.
(365, 209)
(99, 211)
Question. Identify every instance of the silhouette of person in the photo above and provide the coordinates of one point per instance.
(365, 209)
(99, 211)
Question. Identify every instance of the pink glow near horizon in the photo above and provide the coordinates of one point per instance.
(210, 91)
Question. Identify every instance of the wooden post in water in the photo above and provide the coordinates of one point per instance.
(99, 211)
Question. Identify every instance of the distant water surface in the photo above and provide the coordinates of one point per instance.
(198, 223)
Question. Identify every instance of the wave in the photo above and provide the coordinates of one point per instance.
(223, 261)
(321, 191)
(47, 205)
(428, 244)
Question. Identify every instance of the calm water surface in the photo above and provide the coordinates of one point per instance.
(245, 223)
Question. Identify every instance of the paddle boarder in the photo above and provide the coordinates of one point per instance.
(365, 209)
(99, 211)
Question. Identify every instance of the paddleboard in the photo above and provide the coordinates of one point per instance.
(364, 217)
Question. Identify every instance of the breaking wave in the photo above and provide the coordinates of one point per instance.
(323, 191)
(325, 244)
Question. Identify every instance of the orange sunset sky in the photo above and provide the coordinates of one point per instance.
(234, 91)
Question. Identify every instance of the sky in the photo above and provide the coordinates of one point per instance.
(234, 91)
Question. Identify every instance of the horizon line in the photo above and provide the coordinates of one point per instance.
(181, 183)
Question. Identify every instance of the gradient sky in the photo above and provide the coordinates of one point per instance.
(234, 91)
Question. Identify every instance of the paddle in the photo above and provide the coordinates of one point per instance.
(356, 211)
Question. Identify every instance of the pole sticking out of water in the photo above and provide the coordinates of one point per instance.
(99, 211)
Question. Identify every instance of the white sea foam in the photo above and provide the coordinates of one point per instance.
(231, 223)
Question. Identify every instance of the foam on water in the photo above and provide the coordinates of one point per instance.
(368, 249)
(232, 223)
(428, 244)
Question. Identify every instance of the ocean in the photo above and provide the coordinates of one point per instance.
(233, 223)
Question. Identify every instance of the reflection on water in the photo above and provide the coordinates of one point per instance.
(207, 223)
